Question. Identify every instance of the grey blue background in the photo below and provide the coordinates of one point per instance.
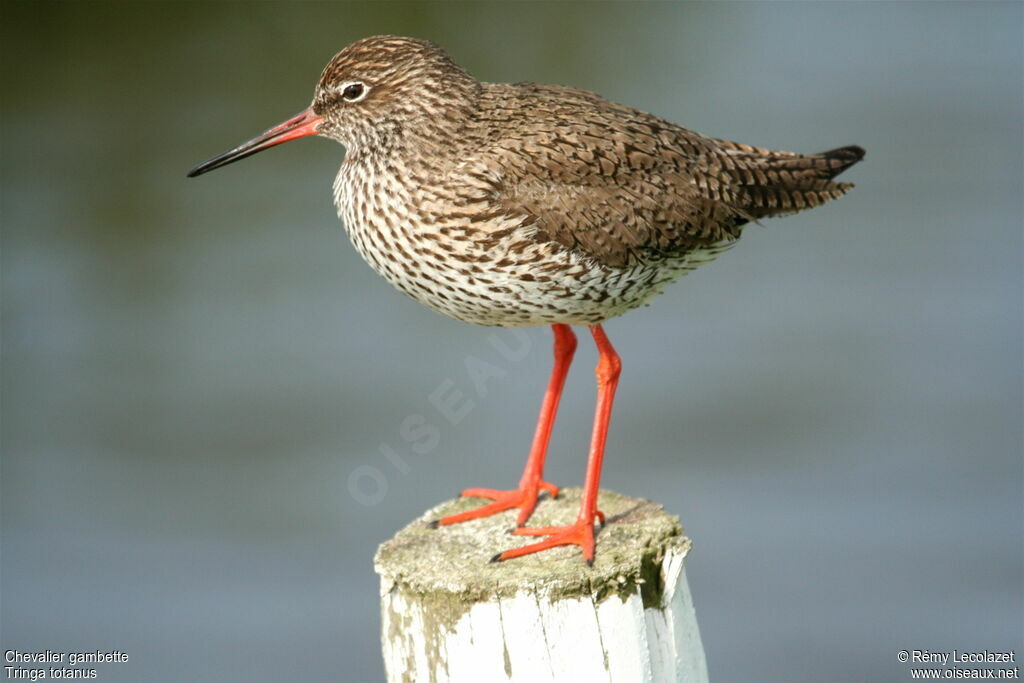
(193, 369)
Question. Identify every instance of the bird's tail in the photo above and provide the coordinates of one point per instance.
(767, 183)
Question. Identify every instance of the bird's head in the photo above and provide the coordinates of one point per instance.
(373, 94)
(378, 88)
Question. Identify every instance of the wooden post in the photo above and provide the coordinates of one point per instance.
(451, 616)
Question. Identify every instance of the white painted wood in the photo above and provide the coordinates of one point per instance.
(537, 630)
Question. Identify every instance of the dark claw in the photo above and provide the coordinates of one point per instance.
(434, 524)
(496, 558)
(590, 562)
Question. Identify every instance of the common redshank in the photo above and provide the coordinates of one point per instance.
(523, 204)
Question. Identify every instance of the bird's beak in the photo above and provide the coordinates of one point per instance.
(299, 126)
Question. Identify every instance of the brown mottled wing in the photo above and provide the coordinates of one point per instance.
(624, 221)
(625, 187)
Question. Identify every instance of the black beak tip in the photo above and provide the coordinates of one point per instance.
(202, 168)
(198, 169)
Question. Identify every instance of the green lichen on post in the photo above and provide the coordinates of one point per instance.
(447, 570)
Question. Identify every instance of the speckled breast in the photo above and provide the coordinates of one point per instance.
(471, 264)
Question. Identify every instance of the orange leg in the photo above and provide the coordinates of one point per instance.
(581, 532)
(525, 497)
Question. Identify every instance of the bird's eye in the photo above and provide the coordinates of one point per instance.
(353, 92)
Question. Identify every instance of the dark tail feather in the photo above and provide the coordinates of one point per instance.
(851, 153)
(781, 183)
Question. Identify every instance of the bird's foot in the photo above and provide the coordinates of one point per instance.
(580, 532)
(524, 498)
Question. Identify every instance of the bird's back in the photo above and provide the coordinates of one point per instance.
(623, 186)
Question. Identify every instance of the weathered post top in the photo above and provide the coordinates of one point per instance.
(449, 614)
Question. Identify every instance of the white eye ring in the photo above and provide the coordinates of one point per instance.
(353, 91)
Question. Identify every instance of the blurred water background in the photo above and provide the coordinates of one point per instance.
(194, 369)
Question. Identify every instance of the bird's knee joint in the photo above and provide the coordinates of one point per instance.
(565, 346)
(565, 342)
(608, 368)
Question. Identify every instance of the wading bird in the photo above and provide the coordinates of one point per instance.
(523, 204)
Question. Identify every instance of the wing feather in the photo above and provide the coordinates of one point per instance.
(624, 187)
